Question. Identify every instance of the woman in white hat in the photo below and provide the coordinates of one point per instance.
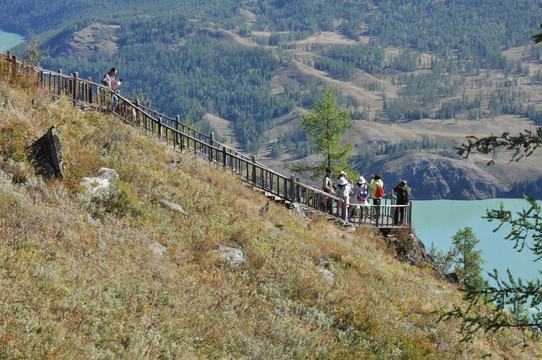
(343, 191)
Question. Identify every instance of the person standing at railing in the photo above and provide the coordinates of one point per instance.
(343, 192)
(327, 186)
(376, 188)
(403, 197)
(109, 81)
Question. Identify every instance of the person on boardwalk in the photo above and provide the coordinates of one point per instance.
(109, 81)
(377, 192)
(327, 186)
(403, 197)
(361, 195)
(343, 192)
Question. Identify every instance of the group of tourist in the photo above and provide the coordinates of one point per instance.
(356, 196)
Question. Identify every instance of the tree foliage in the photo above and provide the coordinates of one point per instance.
(325, 125)
(517, 302)
(508, 299)
(522, 144)
(468, 260)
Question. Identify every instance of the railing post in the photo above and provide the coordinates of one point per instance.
(89, 90)
(75, 86)
(253, 160)
(14, 65)
(59, 90)
(211, 144)
(159, 127)
(136, 119)
(292, 188)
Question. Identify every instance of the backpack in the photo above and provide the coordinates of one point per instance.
(106, 79)
(362, 192)
(402, 195)
(379, 192)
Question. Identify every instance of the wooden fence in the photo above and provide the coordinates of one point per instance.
(184, 138)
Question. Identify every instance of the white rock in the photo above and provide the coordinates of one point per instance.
(328, 275)
(158, 248)
(108, 174)
(234, 256)
(100, 184)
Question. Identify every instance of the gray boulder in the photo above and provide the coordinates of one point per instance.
(234, 256)
(100, 184)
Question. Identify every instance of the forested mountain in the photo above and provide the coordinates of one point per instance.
(416, 65)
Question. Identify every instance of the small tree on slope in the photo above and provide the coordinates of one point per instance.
(468, 269)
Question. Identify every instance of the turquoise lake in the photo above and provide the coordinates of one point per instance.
(9, 40)
(436, 221)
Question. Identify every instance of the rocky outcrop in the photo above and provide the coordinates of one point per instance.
(95, 38)
(250, 16)
(436, 176)
(411, 250)
(47, 155)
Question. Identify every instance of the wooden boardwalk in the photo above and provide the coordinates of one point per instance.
(171, 130)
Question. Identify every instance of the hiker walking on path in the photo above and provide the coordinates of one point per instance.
(343, 192)
(109, 81)
(403, 197)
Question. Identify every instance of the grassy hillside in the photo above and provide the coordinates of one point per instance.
(87, 278)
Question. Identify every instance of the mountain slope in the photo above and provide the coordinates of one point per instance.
(125, 277)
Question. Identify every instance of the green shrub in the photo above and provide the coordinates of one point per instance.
(120, 200)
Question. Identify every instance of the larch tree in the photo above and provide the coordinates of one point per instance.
(324, 124)
(468, 260)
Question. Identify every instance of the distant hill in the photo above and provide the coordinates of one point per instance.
(416, 78)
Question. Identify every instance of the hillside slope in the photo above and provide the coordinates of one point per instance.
(124, 277)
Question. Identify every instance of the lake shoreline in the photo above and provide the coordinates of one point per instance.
(9, 40)
(436, 221)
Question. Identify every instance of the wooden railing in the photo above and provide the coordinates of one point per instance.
(185, 138)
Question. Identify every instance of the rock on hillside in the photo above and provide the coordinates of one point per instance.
(226, 36)
(94, 38)
(435, 176)
(249, 15)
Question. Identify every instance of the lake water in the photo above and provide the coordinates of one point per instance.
(9, 40)
(438, 220)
